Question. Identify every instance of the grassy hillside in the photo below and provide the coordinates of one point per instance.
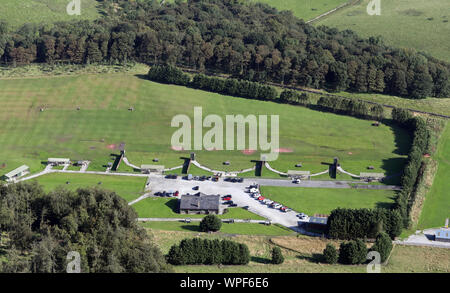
(19, 12)
(306, 9)
(436, 207)
(423, 25)
(29, 136)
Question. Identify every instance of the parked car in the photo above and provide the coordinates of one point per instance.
(196, 187)
(297, 181)
(227, 198)
(230, 202)
(233, 205)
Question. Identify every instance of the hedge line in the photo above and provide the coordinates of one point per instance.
(364, 223)
(352, 224)
(419, 147)
(254, 90)
(208, 252)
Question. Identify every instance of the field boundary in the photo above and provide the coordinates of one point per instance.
(349, 3)
(317, 92)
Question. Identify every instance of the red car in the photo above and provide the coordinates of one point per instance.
(261, 198)
(227, 198)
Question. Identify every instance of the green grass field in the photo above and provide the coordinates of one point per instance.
(436, 207)
(127, 187)
(19, 12)
(306, 9)
(418, 24)
(103, 122)
(323, 200)
(227, 228)
(155, 207)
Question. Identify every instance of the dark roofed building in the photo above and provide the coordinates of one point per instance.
(199, 203)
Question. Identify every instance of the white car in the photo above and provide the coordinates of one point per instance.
(253, 190)
(277, 206)
(296, 181)
(268, 201)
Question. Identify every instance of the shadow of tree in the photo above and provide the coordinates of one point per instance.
(314, 258)
(192, 227)
(260, 260)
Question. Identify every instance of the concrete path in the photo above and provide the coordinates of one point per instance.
(273, 170)
(423, 238)
(339, 168)
(125, 160)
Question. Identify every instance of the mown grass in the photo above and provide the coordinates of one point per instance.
(227, 228)
(126, 187)
(423, 25)
(103, 122)
(323, 200)
(19, 12)
(436, 207)
(156, 207)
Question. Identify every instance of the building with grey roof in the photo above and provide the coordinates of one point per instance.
(199, 203)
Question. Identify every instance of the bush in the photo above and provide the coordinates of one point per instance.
(330, 254)
(210, 223)
(352, 252)
(383, 245)
(277, 256)
(168, 74)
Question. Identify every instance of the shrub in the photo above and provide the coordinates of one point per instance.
(168, 74)
(210, 223)
(330, 254)
(352, 252)
(383, 245)
(277, 256)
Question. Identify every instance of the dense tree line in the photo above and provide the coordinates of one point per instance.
(351, 107)
(364, 223)
(251, 41)
(411, 172)
(43, 227)
(208, 252)
(230, 86)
